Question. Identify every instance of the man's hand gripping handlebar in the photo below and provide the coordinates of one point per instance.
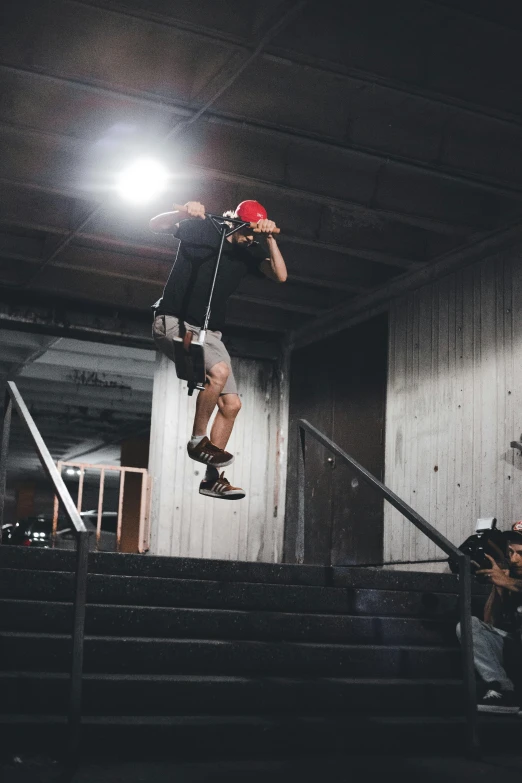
(196, 210)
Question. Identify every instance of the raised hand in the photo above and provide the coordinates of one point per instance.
(194, 209)
(265, 226)
(496, 575)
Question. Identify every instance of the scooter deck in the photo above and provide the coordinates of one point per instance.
(190, 362)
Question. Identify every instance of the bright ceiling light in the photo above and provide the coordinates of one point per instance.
(142, 181)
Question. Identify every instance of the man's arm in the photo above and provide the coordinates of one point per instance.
(168, 221)
(500, 577)
(493, 606)
(274, 266)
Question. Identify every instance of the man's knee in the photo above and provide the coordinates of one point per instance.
(218, 374)
(229, 405)
(476, 625)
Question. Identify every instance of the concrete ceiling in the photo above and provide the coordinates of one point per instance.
(86, 399)
(380, 136)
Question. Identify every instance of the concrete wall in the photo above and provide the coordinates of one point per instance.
(454, 403)
(184, 523)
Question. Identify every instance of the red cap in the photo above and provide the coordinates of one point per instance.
(251, 211)
(517, 527)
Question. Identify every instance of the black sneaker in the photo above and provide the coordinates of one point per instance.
(220, 488)
(209, 454)
(501, 702)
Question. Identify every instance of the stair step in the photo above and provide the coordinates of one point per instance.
(138, 655)
(176, 694)
(232, 571)
(187, 654)
(121, 619)
(206, 736)
(190, 593)
(167, 567)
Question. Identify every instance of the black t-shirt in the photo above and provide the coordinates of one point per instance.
(187, 290)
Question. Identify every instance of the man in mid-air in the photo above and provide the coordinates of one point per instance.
(183, 305)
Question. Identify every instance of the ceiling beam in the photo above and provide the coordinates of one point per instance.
(159, 252)
(222, 36)
(441, 171)
(283, 20)
(13, 360)
(472, 15)
(265, 301)
(280, 24)
(345, 73)
(365, 307)
(38, 388)
(163, 20)
(355, 252)
(438, 170)
(147, 99)
(321, 282)
(124, 371)
(317, 64)
(407, 218)
(92, 445)
(281, 304)
(115, 324)
(162, 253)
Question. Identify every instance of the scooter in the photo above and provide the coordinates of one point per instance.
(189, 349)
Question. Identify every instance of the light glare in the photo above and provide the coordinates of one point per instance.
(142, 181)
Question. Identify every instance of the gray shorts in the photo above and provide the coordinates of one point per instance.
(166, 327)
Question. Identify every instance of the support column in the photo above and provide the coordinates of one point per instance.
(187, 524)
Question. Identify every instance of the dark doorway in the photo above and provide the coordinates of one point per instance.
(339, 385)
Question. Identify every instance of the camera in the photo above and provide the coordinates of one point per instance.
(486, 540)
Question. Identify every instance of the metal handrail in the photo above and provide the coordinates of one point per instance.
(14, 399)
(428, 530)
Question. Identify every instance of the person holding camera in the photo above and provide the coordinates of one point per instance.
(500, 626)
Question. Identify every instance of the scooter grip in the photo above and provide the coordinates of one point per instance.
(257, 231)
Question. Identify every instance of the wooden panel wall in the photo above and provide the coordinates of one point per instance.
(185, 523)
(454, 404)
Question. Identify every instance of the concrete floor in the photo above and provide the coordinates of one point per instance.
(341, 769)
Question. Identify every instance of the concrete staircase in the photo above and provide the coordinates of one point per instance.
(190, 656)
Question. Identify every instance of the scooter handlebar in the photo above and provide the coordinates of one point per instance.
(256, 230)
(253, 226)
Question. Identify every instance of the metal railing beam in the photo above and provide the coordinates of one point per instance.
(4, 448)
(13, 399)
(466, 639)
(419, 522)
(46, 459)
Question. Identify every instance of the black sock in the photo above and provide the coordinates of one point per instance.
(212, 473)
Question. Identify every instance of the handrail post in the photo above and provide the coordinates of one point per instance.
(300, 537)
(4, 449)
(468, 665)
(75, 703)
